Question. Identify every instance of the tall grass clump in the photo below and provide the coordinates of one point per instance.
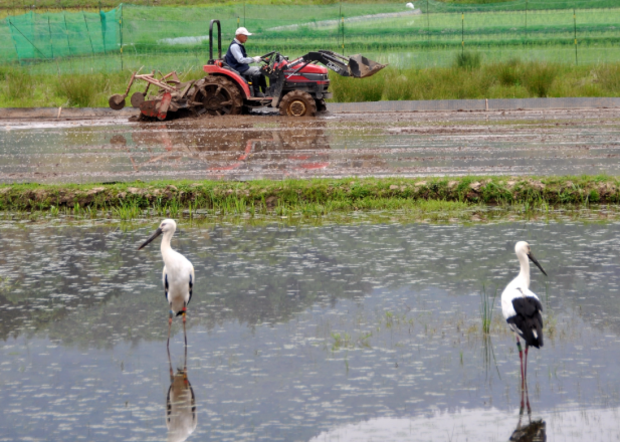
(348, 89)
(17, 83)
(539, 77)
(509, 73)
(80, 90)
(607, 76)
(467, 60)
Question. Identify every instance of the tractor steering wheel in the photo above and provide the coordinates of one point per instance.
(267, 57)
(271, 59)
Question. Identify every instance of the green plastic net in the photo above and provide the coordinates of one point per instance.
(422, 33)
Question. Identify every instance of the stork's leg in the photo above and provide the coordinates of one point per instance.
(184, 330)
(169, 327)
(521, 361)
(527, 396)
(527, 400)
(527, 347)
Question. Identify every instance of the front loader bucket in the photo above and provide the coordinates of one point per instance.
(361, 67)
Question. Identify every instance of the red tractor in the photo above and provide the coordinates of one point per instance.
(298, 88)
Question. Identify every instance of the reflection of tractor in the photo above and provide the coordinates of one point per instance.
(229, 147)
(298, 88)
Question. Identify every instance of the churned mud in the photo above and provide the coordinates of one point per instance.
(550, 142)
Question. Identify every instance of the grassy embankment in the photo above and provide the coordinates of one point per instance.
(316, 197)
(513, 79)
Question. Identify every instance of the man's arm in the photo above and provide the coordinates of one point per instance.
(236, 51)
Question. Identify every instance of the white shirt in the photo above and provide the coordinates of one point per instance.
(236, 51)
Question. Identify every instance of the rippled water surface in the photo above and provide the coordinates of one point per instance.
(367, 332)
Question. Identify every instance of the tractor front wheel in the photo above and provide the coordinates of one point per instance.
(298, 104)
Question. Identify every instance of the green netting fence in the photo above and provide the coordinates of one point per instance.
(424, 33)
(47, 36)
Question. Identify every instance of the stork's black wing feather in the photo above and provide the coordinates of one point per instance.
(166, 286)
(528, 320)
(191, 287)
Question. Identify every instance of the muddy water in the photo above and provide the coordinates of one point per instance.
(263, 146)
(342, 332)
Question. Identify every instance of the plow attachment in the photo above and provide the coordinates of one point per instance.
(356, 66)
(172, 95)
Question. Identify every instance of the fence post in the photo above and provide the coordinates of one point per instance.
(462, 33)
(575, 29)
(526, 7)
(121, 31)
(49, 28)
(342, 23)
(19, 60)
(64, 15)
(428, 23)
(92, 49)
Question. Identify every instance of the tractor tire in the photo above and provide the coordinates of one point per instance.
(321, 106)
(216, 95)
(298, 104)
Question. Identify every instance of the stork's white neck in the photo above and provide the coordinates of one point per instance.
(524, 274)
(165, 244)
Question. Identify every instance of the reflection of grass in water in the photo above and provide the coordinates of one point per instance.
(487, 303)
(5, 284)
(488, 355)
(341, 341)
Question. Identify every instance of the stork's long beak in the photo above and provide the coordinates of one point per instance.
(535, 261)
(152, 237)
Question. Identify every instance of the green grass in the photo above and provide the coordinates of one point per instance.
(487, 304)
(21, 88)
(511, 79)
(310, 198)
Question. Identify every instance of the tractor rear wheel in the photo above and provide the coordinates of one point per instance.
(298, 104)
(215, 95)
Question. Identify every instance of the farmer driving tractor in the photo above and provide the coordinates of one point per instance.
(238, 59)
(298, 88)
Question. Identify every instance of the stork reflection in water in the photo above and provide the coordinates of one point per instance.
(177, 276)
(181, 419)
(532, 431)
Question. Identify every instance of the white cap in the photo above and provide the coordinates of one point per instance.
(242, 31)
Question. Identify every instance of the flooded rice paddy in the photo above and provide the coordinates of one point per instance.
(550, 142)
(364, 332)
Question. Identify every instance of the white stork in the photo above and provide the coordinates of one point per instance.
(177, 276)
(522, 308)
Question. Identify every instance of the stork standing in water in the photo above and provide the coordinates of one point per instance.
(177, 276)
(522, 308)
